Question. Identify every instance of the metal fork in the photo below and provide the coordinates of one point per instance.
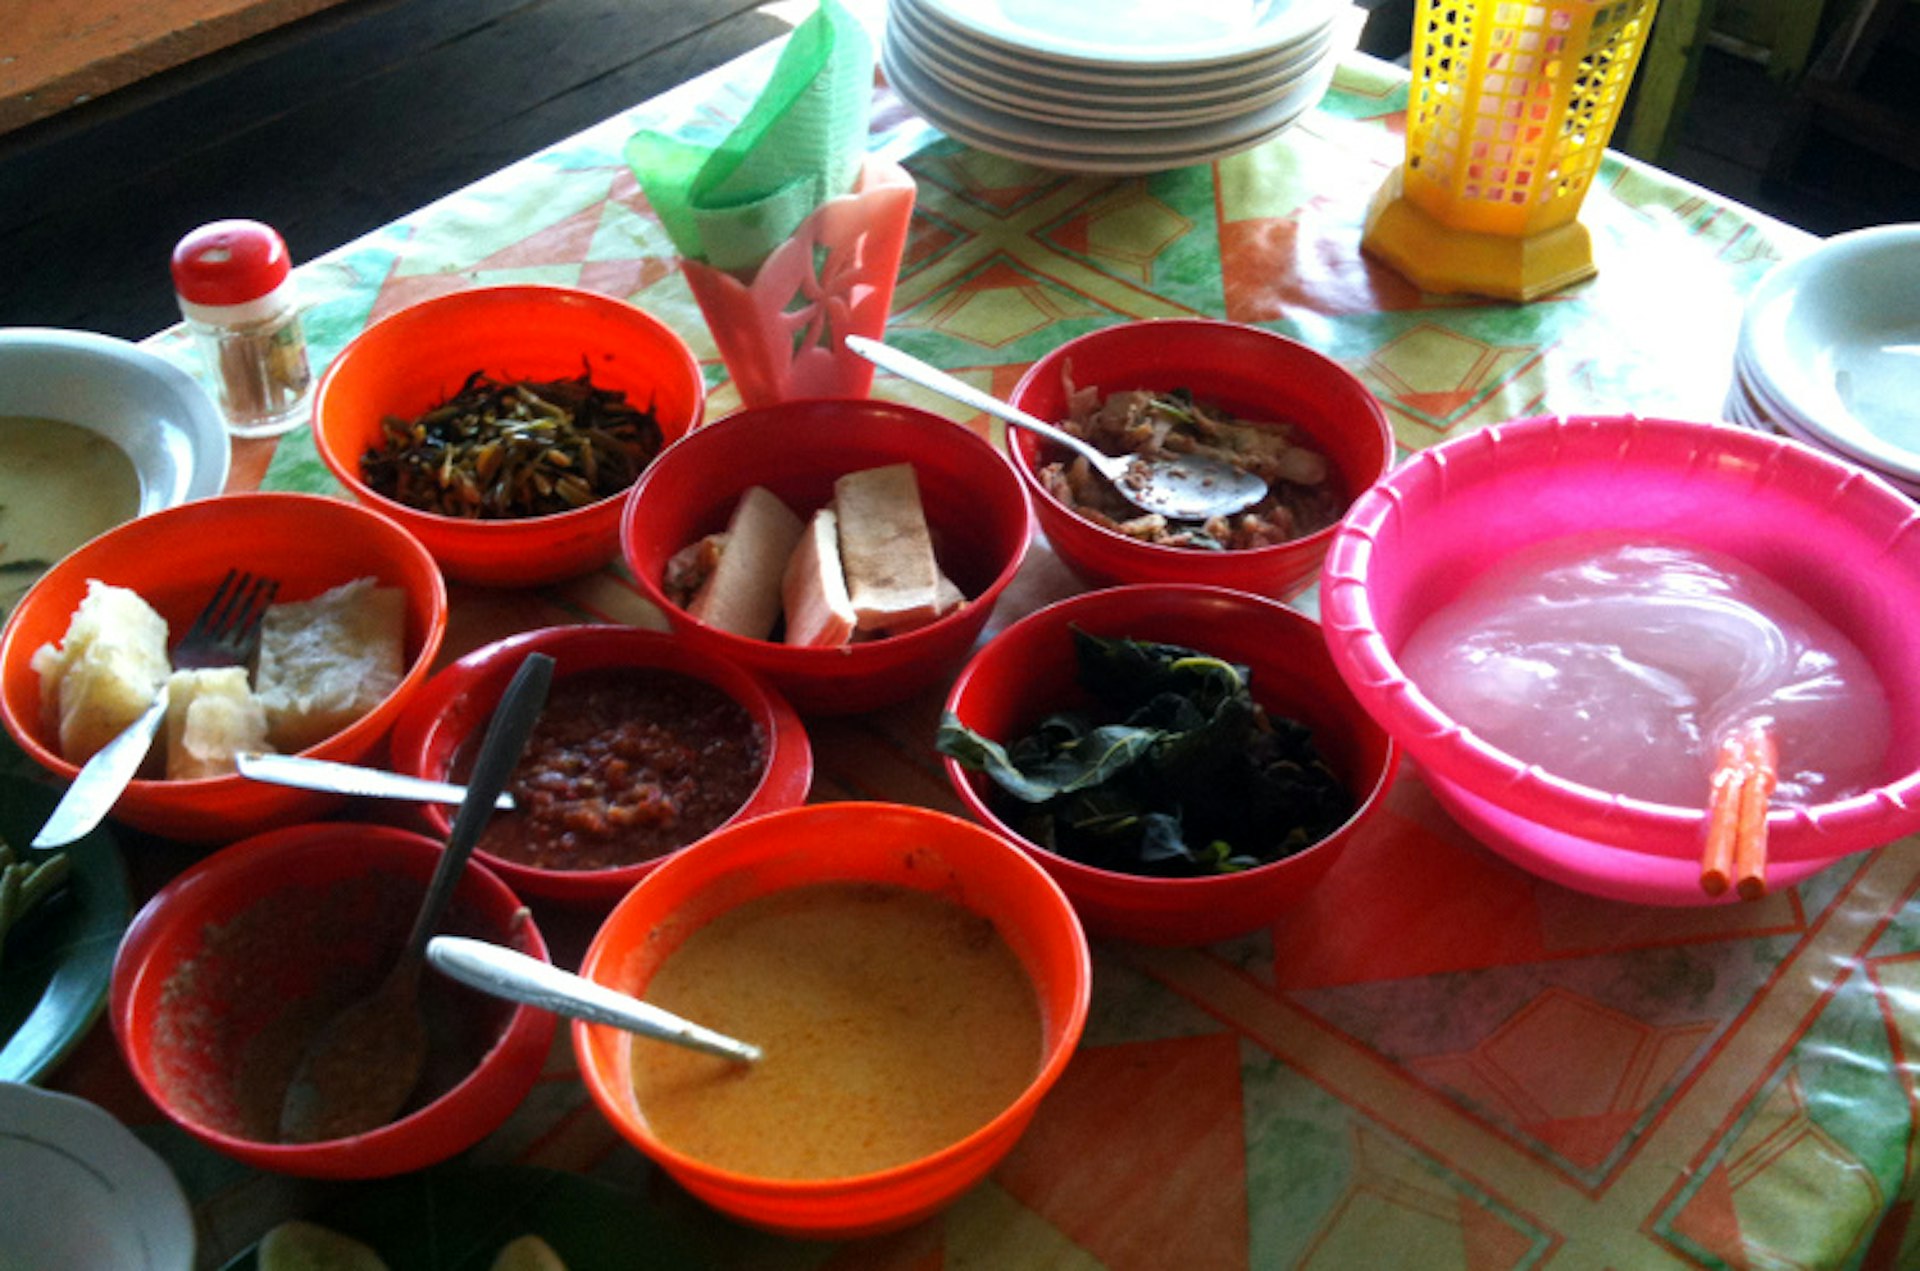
(226, 632)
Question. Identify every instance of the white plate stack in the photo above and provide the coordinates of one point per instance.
(1124, 87)
(1829, 352)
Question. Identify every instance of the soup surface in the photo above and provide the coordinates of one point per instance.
(1621, 664)
(60, 485)
(894, 1023)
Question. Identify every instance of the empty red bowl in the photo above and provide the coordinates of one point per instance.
(412, 360)
(454, 707)
(225, 972)
(975, 508)
(1028, 672)
(840, 842)
(1251, 373)
(175, 559)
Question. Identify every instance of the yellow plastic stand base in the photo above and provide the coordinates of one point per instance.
(1438, 258)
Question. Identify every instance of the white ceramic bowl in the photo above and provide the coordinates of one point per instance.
(92, 1195)
(1832, 341)
(168, 425)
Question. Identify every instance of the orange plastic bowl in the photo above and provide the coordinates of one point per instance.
(975, 508)
(1028, 672)
(1249, 372)
(222, 971)
(414, 359)
(175, 559)
(862, 842)
(434, 734)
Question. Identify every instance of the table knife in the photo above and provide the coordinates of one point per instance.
(341, 778)
(101, 779)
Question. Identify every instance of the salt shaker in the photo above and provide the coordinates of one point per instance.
(235, 286)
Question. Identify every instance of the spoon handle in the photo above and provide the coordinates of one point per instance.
(505, 973)
(506, 737)
(911, 368)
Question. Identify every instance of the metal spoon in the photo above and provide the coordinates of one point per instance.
(519, 978)
(1178, 487)
(362, 1066)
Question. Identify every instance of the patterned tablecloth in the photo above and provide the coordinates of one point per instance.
(1438, 1061)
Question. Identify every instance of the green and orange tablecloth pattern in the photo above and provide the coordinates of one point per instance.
(1438, 1060)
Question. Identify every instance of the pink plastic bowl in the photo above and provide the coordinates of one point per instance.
(1028, 671)
(1841, 540)
(1249, 371)
(194, 991)
(455, 705)
(975, 508)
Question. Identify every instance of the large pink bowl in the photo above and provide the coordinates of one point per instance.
(1842, 540)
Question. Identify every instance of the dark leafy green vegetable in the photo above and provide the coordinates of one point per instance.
(1180, 773)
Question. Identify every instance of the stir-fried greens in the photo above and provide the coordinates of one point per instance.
(499, 449)
(1178, 773)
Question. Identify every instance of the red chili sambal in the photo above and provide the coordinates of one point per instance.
(626, 764)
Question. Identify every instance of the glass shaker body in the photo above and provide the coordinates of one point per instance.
(237, 295)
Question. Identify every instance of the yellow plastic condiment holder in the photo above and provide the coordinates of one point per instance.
(1511, 107)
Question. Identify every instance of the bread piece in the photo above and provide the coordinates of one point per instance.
(212, 715)
(814, 590)
(742, 595)
(327, 661)
(885, 549)
(948, 597)
(104, 672)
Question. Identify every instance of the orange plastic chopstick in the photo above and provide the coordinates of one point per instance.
(1744, 778)
(1750, 843)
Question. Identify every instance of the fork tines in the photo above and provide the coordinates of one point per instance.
(229, 623)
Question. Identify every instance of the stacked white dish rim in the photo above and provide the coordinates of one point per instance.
(1829, 352)
(1128, 87)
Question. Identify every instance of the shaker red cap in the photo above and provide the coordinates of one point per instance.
(229, 263)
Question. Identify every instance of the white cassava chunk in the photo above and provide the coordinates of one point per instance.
(105, 670)
(327, 661)
(212, 715)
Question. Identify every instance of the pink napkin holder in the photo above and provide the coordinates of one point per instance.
(780, 334)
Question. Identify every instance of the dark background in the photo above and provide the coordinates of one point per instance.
(336, 125)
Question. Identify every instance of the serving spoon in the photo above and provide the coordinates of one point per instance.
(506, 973)
(1179, 487)
(362, 1066)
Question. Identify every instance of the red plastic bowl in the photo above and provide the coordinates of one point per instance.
(1250, 372)
(975, 507)
(862, 842)
(249, 939)
(416, 358)
(457, 703)
(1028, 672)
(175, 559)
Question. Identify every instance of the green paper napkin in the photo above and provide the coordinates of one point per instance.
(800, 144)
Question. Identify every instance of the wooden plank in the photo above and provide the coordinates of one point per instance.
(407, 126)
(62, 53)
